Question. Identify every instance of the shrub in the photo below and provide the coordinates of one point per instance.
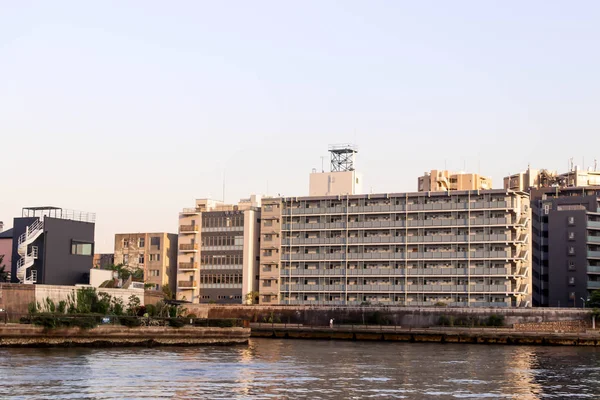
(191, 316)
(130, 322)
(177, 322)
(495, 320)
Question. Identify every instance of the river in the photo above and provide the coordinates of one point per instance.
(288, 369)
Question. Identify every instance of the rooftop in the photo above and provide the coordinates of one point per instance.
(57, 212)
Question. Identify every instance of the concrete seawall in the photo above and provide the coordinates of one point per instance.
(17, 335)
(507, 336)
(414, 317)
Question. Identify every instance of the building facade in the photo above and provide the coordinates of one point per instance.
(52, 246)
(459, 248)
(218, 251)
(544, 178)
(103, 260)
(566, 245)
(6, 240)
(444, 181)
(154, 253)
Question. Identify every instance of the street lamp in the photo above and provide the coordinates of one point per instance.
(583, 301)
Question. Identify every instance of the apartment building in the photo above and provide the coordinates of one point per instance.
(52, 246)
(154, 253)
(544, 178)
(218, 251)
(444, 181)
(566, 245)
(459, 248)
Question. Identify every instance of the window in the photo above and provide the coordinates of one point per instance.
(155, 241)
(571, 250)
(125, 259)
(141, 243)
(154, 257)
(571, 265)
(154, 272)
(141, 259)
(125, 242)
(571, 281)
(571, 220)
(81, 249)
(571, 235)
(268, 222)
(546, 209)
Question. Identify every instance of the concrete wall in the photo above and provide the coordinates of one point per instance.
(99, 276)
(404, 316)
(334, 183)
(14, 298)
(58, 293)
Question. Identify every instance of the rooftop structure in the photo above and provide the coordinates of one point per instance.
(445, 181)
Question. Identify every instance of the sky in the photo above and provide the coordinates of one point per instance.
(133, 109)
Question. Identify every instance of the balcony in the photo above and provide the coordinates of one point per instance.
(593, 239)
(593, 254)
(190, 211)
(186, 285)
(189, 228)
(593, 285)
(594, 224)
(188, 266)
(188, 247)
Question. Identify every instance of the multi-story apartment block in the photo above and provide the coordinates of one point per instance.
(469, 248)
(218, 251)
(154, 253)
(543, 178)
(444, 181)
(566, 245)
(52, 246)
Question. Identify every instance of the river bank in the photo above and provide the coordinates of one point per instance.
(20, 335)
(506, 336)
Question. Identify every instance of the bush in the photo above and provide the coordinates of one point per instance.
(495, 320)
(193, 316)
(130, 322)
(445, 321)
(177, 322)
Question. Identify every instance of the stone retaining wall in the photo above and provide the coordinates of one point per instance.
(553, 326)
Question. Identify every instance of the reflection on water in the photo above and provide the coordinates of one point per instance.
(275, 369)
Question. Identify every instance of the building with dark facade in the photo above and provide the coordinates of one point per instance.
(565, 245)
(52, 246)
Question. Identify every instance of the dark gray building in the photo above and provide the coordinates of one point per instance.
(52, 246)
(566, 245)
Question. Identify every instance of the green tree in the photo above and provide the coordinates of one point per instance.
(133, 305)
(3, 273)
(167, 292)
(594, 299)
(252, 297)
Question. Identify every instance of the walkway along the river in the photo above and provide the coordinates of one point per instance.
(434, 334)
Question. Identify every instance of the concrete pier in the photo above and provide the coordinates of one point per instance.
(18, 335)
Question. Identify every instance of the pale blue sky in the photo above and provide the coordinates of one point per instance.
(131, 109)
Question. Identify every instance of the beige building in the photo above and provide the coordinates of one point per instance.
(342, 179)
(457, 248)
(218, 251)
(445, 181)
(155, 253)
(543, 178)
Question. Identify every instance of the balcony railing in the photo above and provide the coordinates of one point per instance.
(188, 228)
(188, 246)
(188, 266)
(186, 284)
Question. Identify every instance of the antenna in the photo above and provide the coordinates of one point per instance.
(595, 164)
(322, 163)
(223, 198)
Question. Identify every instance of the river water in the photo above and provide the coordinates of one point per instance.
(289, 369)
